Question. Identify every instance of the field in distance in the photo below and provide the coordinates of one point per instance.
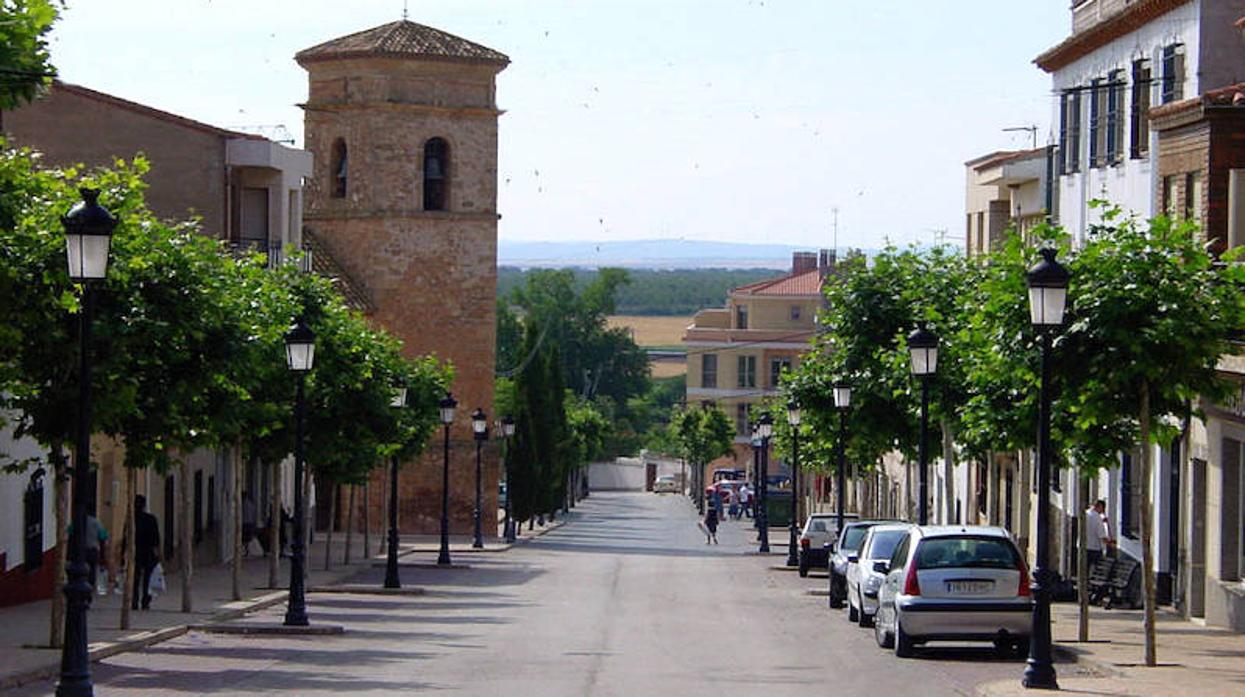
(651, 331)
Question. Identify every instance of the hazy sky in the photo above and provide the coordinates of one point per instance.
(738, 120)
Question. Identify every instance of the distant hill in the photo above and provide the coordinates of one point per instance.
(647, 254)
(656, 291)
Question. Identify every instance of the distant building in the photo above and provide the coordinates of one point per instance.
(1002, 190)
(736, 354)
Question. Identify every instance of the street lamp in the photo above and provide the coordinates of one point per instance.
(300, 354)
(447, 406)
(1048, 295)
(923, 350)
(842, 402)
(479, 426)
(88, 235)
(765, 428)
(507, 431)
(793, 419)
(391, 564)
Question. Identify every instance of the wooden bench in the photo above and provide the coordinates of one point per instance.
(1115, 582)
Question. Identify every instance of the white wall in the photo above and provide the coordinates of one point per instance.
(12, 489)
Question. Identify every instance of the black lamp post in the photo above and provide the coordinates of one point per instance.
(507, 431)
(447, 406)
(1048, 295)
(300, 353)
(923, 351)
(793, 419)
(88, 236)
(842, 402)
(391, 564)
(765, 428)
(479, 426)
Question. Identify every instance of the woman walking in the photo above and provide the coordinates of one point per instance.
(711, 525)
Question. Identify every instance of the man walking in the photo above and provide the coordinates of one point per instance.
(1097, 537)
(146, 552)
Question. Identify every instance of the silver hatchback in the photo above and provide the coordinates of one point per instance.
(954, 583)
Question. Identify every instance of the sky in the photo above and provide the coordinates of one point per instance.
(730, 120)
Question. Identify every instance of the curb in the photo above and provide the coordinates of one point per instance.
(357, 589)
(102, 650)
(270, 629)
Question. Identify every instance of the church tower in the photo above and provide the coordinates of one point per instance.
(402, 122)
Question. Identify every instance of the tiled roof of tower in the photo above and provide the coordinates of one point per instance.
(805, 283)
(403, 39)
(323, 263)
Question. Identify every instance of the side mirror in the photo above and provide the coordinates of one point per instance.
(881, 567)
(853, 558)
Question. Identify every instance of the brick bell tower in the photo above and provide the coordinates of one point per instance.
(402, 121)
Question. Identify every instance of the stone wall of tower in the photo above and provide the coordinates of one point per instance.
(431, 275)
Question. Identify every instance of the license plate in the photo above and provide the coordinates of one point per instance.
(969, 587)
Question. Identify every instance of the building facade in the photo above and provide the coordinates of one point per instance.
(1006, 189)
(402, 120)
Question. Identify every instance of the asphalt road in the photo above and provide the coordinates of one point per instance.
(626, 599)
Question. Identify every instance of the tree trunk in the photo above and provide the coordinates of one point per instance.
(1147, 529)
(328, 535)
(1024, 525)
(367, 517)
(60, 478)
(274, 528)
(948, 463)
(349, 525)
(384, 493)
(1082, 558)
(235, 505)
(128, 550)
(188, 541)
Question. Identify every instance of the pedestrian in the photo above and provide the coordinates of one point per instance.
(711, 525)
(733, 498)
(249, 519)
(1097, 534)
(745, 500)
(95, 551)
(146, 552)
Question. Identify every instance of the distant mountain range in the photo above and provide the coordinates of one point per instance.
(651, 254)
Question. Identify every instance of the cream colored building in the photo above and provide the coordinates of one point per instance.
(1004, 189)
(736, 354)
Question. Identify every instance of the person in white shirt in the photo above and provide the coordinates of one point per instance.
(1097, 536)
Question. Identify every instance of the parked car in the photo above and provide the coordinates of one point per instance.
(666, 484)
(846, 544)
(954, 583)
(819, 530)
(863, 581)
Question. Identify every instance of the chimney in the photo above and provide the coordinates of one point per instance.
(826, 262)
(803, 261)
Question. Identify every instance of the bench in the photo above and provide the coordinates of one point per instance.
(1115, 582)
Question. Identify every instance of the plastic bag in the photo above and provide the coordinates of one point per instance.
(157, 585)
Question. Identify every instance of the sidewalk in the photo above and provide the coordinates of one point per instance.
(24, 655)
(1192, 659)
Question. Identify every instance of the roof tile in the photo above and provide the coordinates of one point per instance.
(402, 39)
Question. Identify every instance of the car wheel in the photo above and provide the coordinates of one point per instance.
(853, 615)
(862, 619)
(880, 635)
(836, 596)
(904, 646)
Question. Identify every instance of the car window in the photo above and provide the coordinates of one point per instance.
(818, 526)
(882, 544)
(901, 553)
(853, 536)
(966, 553)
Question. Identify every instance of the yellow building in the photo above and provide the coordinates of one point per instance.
(736, 354)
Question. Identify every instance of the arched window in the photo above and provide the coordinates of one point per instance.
(339, 169)
(436, 174)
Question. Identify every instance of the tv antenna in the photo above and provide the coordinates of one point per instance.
(1031, 129)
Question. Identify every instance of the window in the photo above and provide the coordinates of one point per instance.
(741, 420)
(1193, 196)
(436, 174)
(1140, 129)
(966, 553)
(709, 370)
(1173, 73)
(1070, 131)
(1130, 497)
(1115, 116)
(339, 169)
(900, 557)
(776, 368)
(741, 316)
(747, 371)
(1097, 115)
(795, 313)
(1169, 196)
(1008, 495)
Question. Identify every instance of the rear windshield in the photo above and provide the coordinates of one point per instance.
(854, 535)
(966, 553)
(883, 545)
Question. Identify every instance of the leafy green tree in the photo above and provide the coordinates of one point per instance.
(25, 65)
(703, 434)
